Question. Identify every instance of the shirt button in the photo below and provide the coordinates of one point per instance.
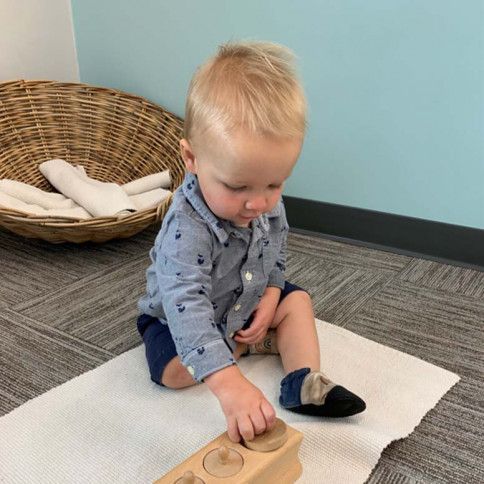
(191, 370)
(231, 335)
(248, 275)
(237, 307)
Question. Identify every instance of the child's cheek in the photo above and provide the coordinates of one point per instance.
(232, 203)
(273, 200)
(224, 204)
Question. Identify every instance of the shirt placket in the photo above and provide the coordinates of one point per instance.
(249, 276)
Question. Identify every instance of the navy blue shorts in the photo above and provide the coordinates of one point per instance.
(159, 345)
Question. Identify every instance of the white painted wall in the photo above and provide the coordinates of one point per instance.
(37, 40)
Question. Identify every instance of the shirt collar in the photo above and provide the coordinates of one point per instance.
(222, 228)
(192, 192)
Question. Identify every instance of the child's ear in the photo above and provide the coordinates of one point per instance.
(188, 156)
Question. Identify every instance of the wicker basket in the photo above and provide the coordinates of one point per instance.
(116, 136)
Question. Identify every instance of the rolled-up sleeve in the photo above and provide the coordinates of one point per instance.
(183, 270)
(277, 275)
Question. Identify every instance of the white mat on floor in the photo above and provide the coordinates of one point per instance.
(113, 425)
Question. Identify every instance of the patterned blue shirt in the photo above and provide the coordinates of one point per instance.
(207, 276)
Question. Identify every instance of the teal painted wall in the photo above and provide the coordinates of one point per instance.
(395, 87)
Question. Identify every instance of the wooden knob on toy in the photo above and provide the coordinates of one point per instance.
(223, 462)
(223, 454)
(270, 440)
(189, 478)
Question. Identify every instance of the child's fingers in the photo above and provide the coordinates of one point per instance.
(245, 341)
(249, 339)
(256, 327)
(259, 336)
(248, 332)
(248, 329)
(269, 414)
(246, 428)
(233, 429)
(258, 421)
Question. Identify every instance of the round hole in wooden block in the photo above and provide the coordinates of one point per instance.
(223, 462)
(268, 441)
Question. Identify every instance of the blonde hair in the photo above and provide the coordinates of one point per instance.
(249, 85)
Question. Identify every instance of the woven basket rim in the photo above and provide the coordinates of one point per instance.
(114, 90)
(58, 220)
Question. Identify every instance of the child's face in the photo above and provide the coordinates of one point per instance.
(241, 177)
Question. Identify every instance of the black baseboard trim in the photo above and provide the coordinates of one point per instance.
(446, 243)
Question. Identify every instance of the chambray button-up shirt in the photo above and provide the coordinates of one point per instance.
(207, 276)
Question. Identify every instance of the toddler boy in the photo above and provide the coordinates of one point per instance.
(216, 288)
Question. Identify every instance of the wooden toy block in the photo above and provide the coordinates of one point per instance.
(270, 458)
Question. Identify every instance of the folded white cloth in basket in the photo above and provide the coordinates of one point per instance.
(148, 183)
(142, 201)
(27, 198)
(33, 195)
(142, 185)
(145, 192)
(98, 198)
(7, 201)
(151, 199)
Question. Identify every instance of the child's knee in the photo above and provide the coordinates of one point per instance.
(300, 297)
(176, 376)
(305, 296)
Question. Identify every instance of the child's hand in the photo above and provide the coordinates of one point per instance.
(247, 411)
(263, 317)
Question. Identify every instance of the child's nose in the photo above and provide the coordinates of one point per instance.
(257, 204)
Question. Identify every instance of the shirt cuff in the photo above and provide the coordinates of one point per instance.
(208, 359)
(276, 278)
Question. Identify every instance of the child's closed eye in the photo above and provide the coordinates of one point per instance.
(240, 189)
(235, 189)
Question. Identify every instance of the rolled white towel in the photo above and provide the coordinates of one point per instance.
(142, 201)
(29, 199)
(33, 195)
(74, 212)
(12, 203)
(149, 199)
(9, 202)
(98, 198)
(148, 183)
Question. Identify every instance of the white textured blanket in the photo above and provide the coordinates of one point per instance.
(113, 425)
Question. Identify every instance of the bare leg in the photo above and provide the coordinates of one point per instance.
(176, 375)
(297, 339)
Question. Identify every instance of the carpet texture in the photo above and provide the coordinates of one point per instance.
(112, 424)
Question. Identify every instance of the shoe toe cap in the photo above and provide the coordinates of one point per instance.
(344, 402)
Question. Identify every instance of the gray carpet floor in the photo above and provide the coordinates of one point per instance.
(66, 309)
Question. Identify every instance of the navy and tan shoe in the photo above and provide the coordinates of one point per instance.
(312, 393)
